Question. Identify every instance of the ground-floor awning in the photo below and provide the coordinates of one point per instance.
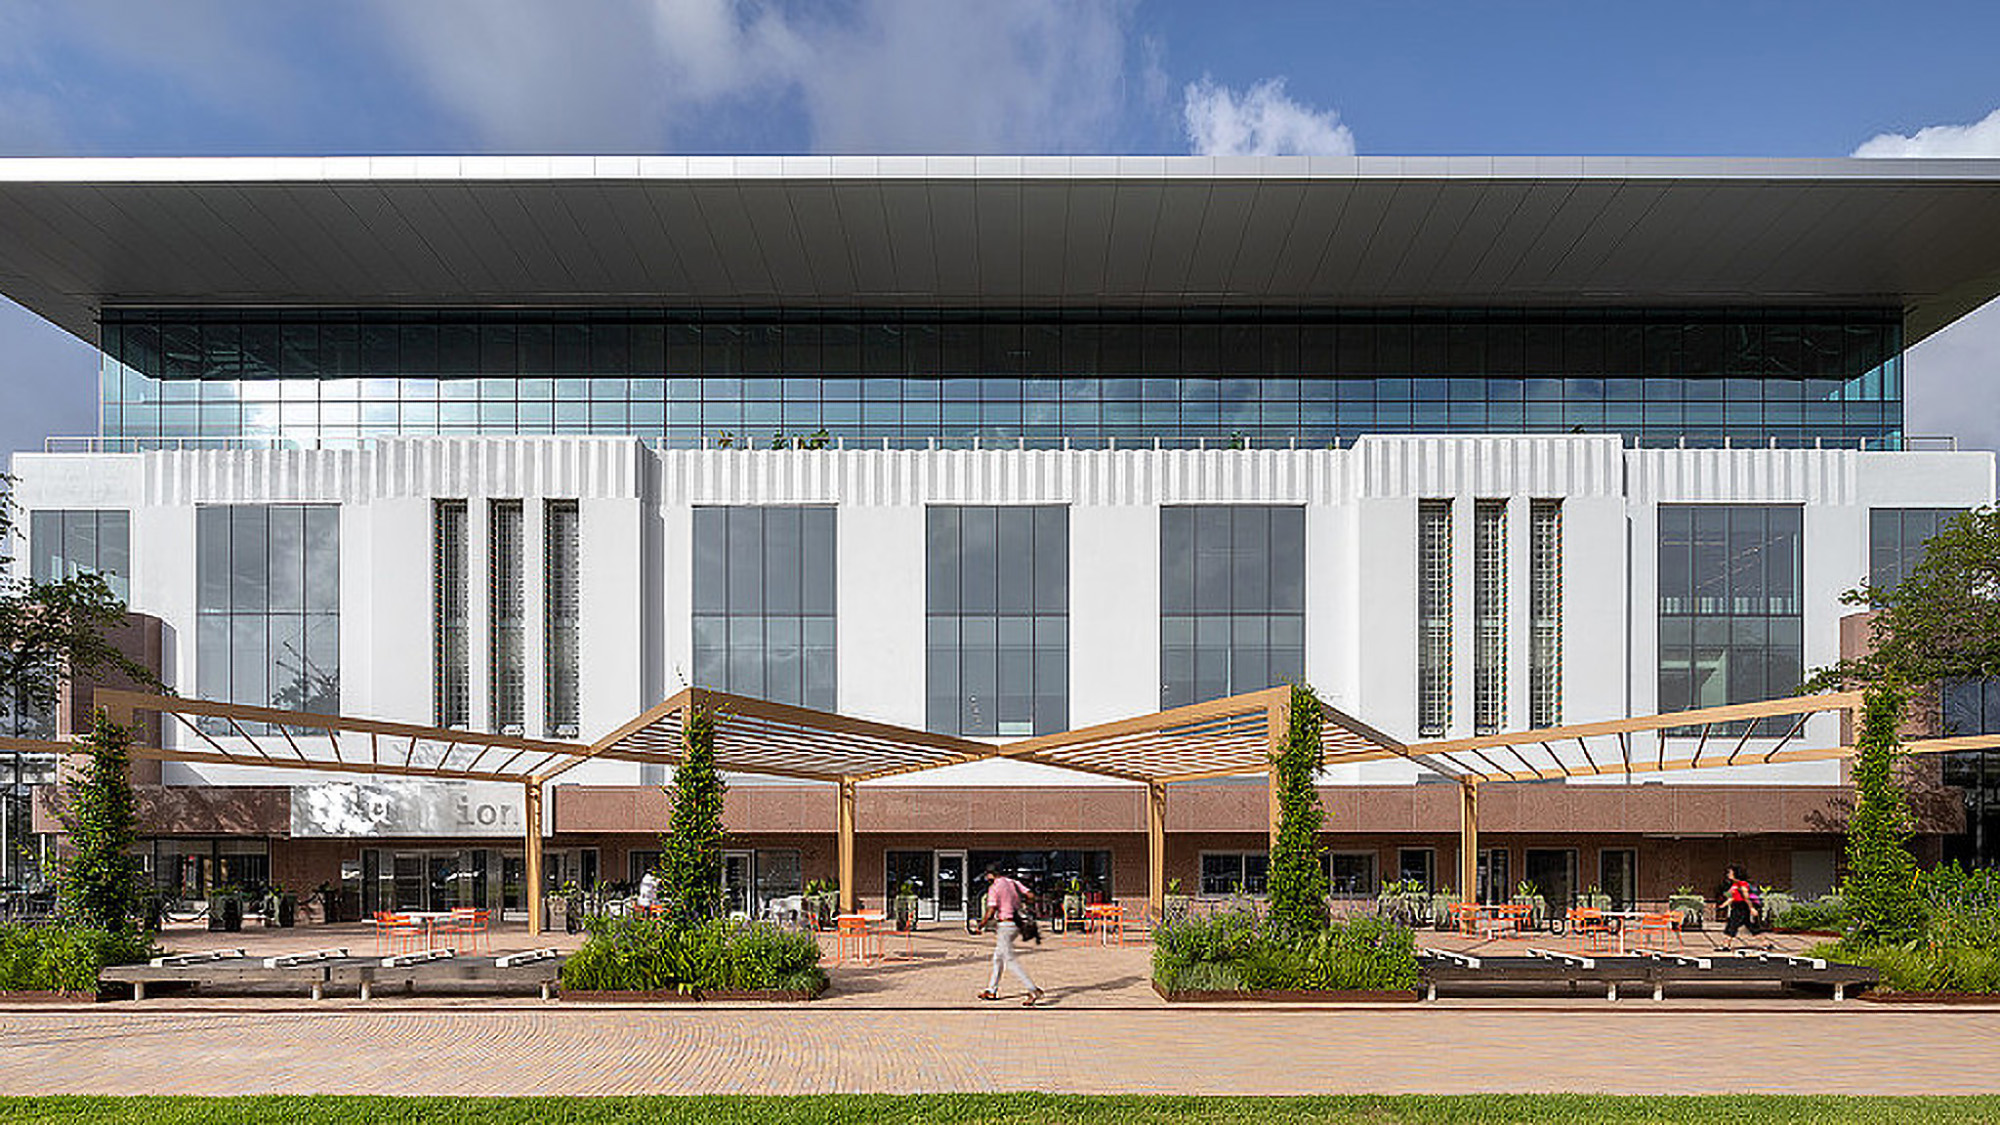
(1236, 736)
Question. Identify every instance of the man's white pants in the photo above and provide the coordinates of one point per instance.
(1004, 956)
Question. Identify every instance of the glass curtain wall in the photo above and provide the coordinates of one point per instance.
(1232, 600)
(997, 595)
(268, 620)
(764, 603)
(1180, 376)
(1731, 629)
(64, 544)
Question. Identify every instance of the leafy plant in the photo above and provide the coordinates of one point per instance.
(691, 853)
(100, 879)
(1297, 881)
(51, 958)
(649, 953)
(1235, 950)
(1881, 880)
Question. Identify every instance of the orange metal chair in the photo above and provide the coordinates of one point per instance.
(1658, 926)
(853, 937)
(1593, 927)
(470, 924)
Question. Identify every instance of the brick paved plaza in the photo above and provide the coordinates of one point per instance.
(915, 1027)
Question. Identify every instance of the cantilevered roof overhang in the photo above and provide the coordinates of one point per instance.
(80, 235)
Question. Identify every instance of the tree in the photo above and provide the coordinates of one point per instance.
(100, 878)
(691, 854)
(1941, 621)
(1298, 884)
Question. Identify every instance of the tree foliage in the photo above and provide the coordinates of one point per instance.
(691, 854)
(1298, 885)
(100, 877)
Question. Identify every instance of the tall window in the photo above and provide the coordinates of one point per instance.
(1232, 600)
(560, 606)
(1730, 622)
(1545, 613)
(997, 594)
(64, 544)
(764, 603)
(507, 602)
(1489, 616)
(268, 605)
(1433, 617)
(1896, 541)
(450, 615)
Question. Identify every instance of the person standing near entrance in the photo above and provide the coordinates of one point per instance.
(1005, 897)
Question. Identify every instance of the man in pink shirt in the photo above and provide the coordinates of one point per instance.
(1004, 899)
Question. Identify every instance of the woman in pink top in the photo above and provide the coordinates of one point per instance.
(1004, 898)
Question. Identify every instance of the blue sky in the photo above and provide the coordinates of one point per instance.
(80, 77)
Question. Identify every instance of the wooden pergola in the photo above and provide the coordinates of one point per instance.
(1232, 737)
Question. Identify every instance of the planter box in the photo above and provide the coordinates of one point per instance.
(1289, 996)
(673, 996)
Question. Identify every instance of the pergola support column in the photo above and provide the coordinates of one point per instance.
(845, 821)
(532, 846)
(1468, 841)
(1156, 846)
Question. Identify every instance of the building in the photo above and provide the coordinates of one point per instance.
(996, 447)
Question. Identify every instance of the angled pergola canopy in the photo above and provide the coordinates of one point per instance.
(757, 736)
(1236, 736)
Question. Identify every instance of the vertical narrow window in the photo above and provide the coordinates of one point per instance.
(1545, 613)
(452, 682)
(560, 603)
(1489, 616)
(1433, 617)
(764, 603)
(1232, 600)
(997, 620)
(506, 599)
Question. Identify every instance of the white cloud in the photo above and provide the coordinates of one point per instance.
(878, 76)
(1261, 121)
(1981, 138)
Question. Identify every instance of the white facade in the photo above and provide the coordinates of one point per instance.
(636, 508)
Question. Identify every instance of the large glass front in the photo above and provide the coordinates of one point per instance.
(910, 376)
(997, 620)
(1232, 600)
(764, 603)
(268, 625)
(1731, 625)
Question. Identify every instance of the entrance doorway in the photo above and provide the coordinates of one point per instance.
(737, 868)
(1553, 872)
(948, 876)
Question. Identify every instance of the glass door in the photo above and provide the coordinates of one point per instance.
(948, 876)
(736, 882)
(1618, 876)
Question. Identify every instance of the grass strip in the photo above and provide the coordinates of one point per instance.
(1003, 1109)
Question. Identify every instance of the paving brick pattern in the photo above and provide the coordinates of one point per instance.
(914, 1026)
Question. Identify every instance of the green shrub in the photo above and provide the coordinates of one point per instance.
(48, 958)
(648, 953)
(1827, 914)
(1234, 950)
(1922, 967)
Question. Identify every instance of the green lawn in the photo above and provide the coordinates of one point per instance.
(1000, 1109)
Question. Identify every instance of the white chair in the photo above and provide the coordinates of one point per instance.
(788, 911)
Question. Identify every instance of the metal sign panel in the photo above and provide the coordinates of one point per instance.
(400, 807)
